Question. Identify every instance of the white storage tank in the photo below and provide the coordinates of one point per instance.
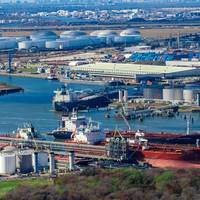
(7, 43)
(39, 44)
(52, 44)
(25, 45)
(72, 34)
(43, 35)
(173, 94)
(167, 94)
(24, 161)
(9, 149)
(7, 163)
(178, 94)
(188, 95)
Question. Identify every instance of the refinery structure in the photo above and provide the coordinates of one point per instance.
(69, 40)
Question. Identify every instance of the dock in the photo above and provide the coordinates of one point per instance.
(8, 89)
(60, 148)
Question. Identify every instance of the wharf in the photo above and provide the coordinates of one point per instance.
(8, 89)
(24, 75)
(88, 82)
(60, 148)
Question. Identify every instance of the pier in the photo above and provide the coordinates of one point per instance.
(60, 148)
(8, 89)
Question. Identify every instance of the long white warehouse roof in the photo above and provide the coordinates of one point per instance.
(131, 68)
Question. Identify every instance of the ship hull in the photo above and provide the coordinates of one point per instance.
(62, 135)
(189, 155)
(164, 138)
(85, 104)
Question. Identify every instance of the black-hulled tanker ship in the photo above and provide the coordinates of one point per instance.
(67, 100)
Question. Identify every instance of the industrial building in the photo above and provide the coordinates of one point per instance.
(48, 40)
(135, 71)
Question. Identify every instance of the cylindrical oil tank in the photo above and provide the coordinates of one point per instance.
(7, 43)
(9, 149)
(172, 94)
(24, 161)
(178, 94)
(153, 92)
(43, 35)
(52, 44)
(39, 44)
(73, 34)
(188, 95)
(26, 45)
(42, 160)
(21, 38)
(7, 163)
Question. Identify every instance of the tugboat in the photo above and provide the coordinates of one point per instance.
(90, 133)
(69, 124)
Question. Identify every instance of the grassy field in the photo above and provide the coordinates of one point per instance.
(7, 186)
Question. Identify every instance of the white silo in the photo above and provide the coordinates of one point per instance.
(43, 35)
(39, 44)
(168, 94)
(52, 44)
(188, 95)
(172, 94)
(130, 36)
(25, 45)
(106, 36)
(178, 94)
(72, 34)
(7, 163)
(9, 149)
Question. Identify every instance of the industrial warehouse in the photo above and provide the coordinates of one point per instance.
(135, 71)
(48, 40)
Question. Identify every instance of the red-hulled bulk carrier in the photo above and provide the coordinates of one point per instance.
(161, 138)
(169, 152)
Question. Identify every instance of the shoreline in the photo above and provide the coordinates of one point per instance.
(24, 75)
(44, 76)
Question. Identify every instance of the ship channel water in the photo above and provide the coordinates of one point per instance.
(35, 105)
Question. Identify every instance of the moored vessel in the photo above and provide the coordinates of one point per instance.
(69, 124)
(67, 100)
(90, 133)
